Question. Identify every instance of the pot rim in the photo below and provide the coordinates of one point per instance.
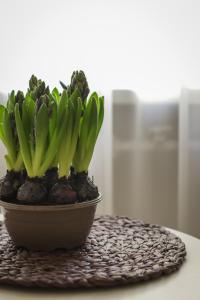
(27, 207)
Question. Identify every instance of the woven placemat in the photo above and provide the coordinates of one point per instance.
(118, 251)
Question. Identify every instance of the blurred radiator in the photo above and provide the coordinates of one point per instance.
(153, 178)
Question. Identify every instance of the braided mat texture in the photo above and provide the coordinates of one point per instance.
(118, 251)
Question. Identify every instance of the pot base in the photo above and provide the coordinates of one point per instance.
(49, 227)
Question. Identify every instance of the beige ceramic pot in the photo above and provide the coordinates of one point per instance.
(48, 227)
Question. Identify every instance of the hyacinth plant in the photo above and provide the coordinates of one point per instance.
(8, 135)
(91, 121)
(50, 139)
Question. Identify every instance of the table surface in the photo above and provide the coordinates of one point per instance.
(181, 285)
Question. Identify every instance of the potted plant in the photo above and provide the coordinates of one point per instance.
(47, 197)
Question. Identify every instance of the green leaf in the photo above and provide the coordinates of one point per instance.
(63, 85)
(25, 119)
(75, 95)
(52, 119)
(100, 114)
(76, 125)
(54, 145)
(64, 150)
(18, 165)
(61, 106)
(28, 113)
(8, 136)
(9, 163)
(31, 106)
(93, 124)
(95, 96)
(41, 134)
(11, 102)
(88, 132)
(84, 130)
(92, 136)
(56, 94)
(24, 146)
(2, 109)
(2, 137)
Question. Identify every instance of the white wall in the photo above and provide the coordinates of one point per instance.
(151, 46)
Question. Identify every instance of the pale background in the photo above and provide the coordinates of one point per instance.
(147, 160)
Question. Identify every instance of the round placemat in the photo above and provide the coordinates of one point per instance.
(118, 251)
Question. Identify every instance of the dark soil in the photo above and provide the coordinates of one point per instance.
(10, 184)
(19, 189)
(62, 193)
(83, 185)
(51, 177)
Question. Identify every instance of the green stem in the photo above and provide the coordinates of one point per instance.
(18, 166)
(8, 162)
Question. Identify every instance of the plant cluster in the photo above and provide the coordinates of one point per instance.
(50, 138)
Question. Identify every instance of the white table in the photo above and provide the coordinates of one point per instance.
(181, 285)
